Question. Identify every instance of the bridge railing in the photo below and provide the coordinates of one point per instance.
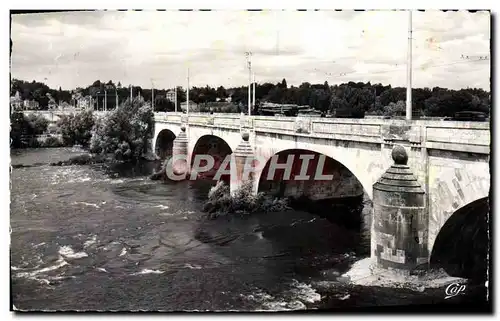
(434, 134)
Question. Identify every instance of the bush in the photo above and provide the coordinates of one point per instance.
(52, 142)
(39, 124)
(125, 131)
(243, 202)
(395, 109)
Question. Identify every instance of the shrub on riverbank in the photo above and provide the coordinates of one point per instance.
(23, 129)
(76, 129)
(52, 142)
(84, 159)
(221, 202)
(125, 131)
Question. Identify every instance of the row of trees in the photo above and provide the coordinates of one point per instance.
(123, 132)
(356, 97)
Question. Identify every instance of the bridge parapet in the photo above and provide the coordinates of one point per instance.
(458, 136)
(274, 124)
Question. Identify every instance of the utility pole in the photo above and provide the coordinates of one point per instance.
(175, 98)
(105, 100)
(409, 70)
(253, 92)
(116, 97)
(187, 93)
(249, 60)
(152, 95)
(130, 92)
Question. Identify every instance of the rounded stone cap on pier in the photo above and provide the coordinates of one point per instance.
(245, 136)
(183, 128)
(399, 179)
(399, 155)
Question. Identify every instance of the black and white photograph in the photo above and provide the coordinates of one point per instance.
(271, 160)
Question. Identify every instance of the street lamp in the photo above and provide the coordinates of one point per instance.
(248, 54)
(116, 92)
(152, 94)
(105, 99)
(97, 100)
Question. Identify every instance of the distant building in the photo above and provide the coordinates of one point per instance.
(16, 102)
(31, 104)
(226, 99)
(170, 95)
(84, 102)
(52, 104)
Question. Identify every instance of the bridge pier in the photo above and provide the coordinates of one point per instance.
(400, 223)
(178, 165)
(242, 161)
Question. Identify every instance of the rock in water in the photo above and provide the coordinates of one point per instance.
(160, 175)
(80, 160)
(150, 157)
(84, 159)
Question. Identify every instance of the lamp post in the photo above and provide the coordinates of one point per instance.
(253, 92)
(409, 70)
(105, 99)
(152, 94)
(116, 93)
(175, 98)
(248, 54)
(187, 94)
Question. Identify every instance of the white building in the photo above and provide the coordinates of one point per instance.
(16, 102)
(84, 102)
(31, 104)
(170, 95)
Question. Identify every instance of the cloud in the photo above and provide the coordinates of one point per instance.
(72, 49)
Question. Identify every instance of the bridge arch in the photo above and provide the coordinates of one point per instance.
(164, 142)
(321, 185)
(452, 189)
(461, 246)
(365, 180)
(328, 166)
(214, 146)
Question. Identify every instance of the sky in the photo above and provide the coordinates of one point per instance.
(146, 48)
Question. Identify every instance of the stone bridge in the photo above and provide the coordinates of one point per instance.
(54, 115)
(449, 160)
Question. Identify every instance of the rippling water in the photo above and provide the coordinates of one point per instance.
(101, 238)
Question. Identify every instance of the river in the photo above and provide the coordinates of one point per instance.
(107, 238)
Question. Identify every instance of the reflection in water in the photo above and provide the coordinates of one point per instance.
(107, 238)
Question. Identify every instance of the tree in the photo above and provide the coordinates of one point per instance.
(38, 124)
(19, 127)
(28, 127)
(283, 84)
(395, 109)
(163, 104)
(221, 92)
(125, 131)
(77, 128)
